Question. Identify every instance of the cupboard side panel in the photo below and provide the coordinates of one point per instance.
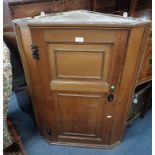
(42, 67)
(146, 67)
(24, 44)
(134, 53)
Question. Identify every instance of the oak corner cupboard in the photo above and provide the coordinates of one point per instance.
(81, 69)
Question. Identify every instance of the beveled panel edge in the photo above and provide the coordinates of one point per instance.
(79, 95)
(81, 138)
(83, 86)
(83, 145)
(80, 145)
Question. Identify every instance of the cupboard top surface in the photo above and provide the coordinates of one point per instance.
(81, 17)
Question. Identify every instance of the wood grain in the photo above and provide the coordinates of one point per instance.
(146, 67)
(128, 80)
(71, 82)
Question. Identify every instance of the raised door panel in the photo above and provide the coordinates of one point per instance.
(79, 67)
(80, 116)
(79, 64)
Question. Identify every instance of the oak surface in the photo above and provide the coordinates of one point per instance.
(84, 79)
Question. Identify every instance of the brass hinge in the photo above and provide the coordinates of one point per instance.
(35, 52)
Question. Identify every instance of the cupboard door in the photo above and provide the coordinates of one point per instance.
(80, 82)
(79, 77)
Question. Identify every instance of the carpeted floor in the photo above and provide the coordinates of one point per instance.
(137, 140)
